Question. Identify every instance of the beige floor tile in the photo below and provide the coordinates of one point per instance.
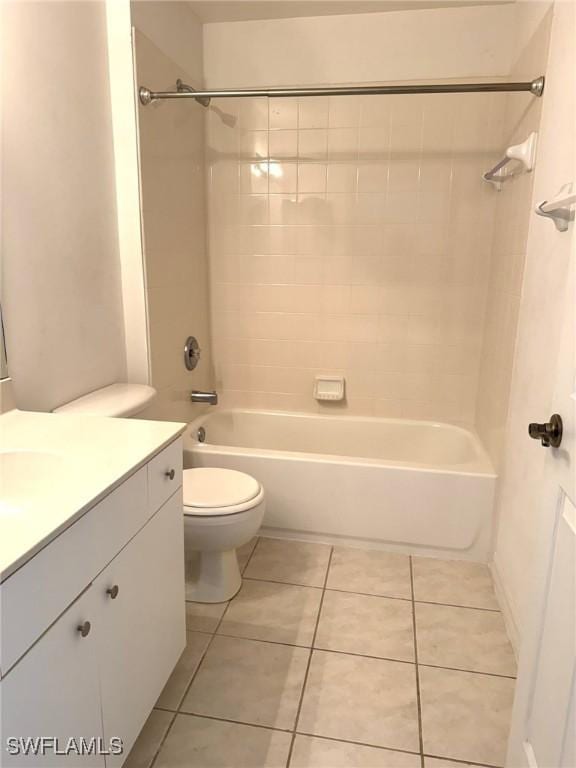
(243, 553)
(370, 571)
(294, 562)
(465, 715)
(147, 744)
(366, 624)
(434, 762)
(203, 617)
(179, 680)
(372, 701)
(310, 752)
(249, 681)
(454, 582)
(463, 638)
(265, 610)
(196, 742)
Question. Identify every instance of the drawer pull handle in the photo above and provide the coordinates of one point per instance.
(84, 628)
(113, 592)
(171, 473)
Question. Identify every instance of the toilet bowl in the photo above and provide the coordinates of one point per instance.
(223, 509)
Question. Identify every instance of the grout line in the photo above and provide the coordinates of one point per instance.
(236, 722)
(213, 635)
(305, 681)
(322, 738)
(418, 698)
(462, 762)
(371, 594)
(359, 743)
(456, 605)
(354, 653)
(287, 583)
(158, 750)
(247, 563)
(468, 671)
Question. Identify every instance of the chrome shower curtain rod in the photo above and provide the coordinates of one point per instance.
(535, 87)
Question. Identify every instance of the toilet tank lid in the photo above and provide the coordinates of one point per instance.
(119, 399)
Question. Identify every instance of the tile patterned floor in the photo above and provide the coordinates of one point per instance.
(332, 657)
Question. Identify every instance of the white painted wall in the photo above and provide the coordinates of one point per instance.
(400, 45)
(61, 283)
(540, 321)
(174, 28)
(171, 136)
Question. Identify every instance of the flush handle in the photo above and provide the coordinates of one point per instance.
(113, 591)
(549, 434)
(84, 628)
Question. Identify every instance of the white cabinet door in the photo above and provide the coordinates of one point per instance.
(141, 607)
(53, 692)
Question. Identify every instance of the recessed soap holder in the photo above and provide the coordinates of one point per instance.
(329, 388)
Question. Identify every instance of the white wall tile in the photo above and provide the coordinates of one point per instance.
(364, 250)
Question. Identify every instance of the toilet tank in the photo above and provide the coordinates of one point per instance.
(120, 400)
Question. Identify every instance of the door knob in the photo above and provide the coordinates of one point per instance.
(550, 433)
(84, 628)
(113, 592)
(170, 474)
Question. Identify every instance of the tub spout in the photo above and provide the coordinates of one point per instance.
(208, 398)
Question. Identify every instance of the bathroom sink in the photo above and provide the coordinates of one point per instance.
(26, 477)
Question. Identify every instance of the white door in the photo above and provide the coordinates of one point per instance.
(543, 721)
(53, 692)
(543, 726)
(141, 608)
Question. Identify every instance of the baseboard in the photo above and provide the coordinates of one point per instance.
(506, 607)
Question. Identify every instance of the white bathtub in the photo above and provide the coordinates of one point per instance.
(409, 486)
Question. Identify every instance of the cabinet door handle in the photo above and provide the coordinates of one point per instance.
(113, 591)
(84, 628)
(171, 473)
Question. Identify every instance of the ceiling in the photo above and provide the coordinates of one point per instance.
(248, 10)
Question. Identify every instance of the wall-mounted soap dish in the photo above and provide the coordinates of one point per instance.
(329, 388)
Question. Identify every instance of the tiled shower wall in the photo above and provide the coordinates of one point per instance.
(352, 236)
(172, 187)
(512, 218)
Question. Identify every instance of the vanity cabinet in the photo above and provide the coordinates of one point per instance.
(137, 646)
(54, 690)
(98, 667)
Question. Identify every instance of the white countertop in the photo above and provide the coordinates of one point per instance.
(54, 467)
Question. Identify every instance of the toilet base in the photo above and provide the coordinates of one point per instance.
(213, 577)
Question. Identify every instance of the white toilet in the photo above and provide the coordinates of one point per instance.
(223, 509)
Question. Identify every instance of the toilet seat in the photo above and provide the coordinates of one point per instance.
(215, 492)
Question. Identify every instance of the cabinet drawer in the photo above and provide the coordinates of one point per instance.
(161, 483)
(118, 518)
(33, 597)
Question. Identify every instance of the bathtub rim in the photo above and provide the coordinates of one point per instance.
(483, 464)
